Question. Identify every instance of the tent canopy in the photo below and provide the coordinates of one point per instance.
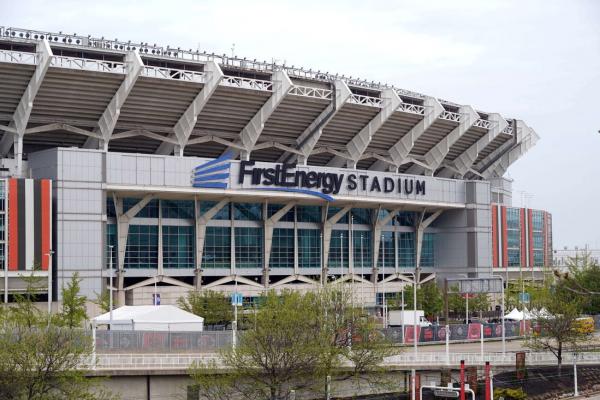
(155, 318)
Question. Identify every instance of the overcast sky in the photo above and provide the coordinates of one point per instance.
(538, 61)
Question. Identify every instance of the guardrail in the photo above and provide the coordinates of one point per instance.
(404, 360)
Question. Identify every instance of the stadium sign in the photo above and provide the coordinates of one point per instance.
(287, 177)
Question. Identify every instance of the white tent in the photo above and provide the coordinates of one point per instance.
(514, 315)
(151, 318)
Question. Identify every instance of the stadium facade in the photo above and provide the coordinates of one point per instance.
(185, 170)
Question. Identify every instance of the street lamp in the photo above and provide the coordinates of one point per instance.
(110, 285)
(49, 255)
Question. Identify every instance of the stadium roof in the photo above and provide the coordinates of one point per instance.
(67, 90)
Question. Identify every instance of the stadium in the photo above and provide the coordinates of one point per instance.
(166, 170)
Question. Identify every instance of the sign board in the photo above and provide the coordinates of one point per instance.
(451, 394)
(476, 285)
(524, 297)
(156, 299)
(237, 299)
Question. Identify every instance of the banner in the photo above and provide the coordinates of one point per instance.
(409, 333)
(474, 331)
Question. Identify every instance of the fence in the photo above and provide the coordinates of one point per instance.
(458, 332)
(162, 342)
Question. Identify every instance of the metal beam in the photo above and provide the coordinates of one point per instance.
(186, 123)
(499, 167)
(307, 141)
(435, 156)
(402, 148)
(108, 120)
(463, 163)
(519, 131)
(359, 143)
(251, 132)
(21, 115)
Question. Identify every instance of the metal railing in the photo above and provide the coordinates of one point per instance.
(458, 332)
(450, 116)
(115, 341)
(88, 64)
(307, 91)
(173, 73)
(18, 57)
(365, 100)
(247, 83)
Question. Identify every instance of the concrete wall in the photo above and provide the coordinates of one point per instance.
(78, 197)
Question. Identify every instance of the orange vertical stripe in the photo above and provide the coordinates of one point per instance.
(504, 238)
(45, 222)
(495, 254)
(13, 223)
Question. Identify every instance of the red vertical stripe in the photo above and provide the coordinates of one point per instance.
(495, 254)
(504, 238)
(523, 238)
(530, 233)
(13, 223)
(45, 221)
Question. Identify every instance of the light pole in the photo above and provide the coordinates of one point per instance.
(383, 280)
(49, 255)
(110, 283)
(362, 274)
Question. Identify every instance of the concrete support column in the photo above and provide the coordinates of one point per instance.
(327, 230)
(123, 222)
(201, 223)
(268, 243)
(377, 231)
(420, 227)
(20, 118)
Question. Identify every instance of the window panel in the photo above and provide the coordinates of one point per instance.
(142, 247)
(248, 247)
(362, 249)
(406, 249)
(247, 211)
(178, 246)
(361, 216)
(223, 214)
(282, 251)
(309, 248)
(182, 209)
(273, 208)
(217, 247)
(309, 214)
(338, 249)
(387, 250)
(334, 210)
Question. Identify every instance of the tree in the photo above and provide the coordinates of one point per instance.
(429, 299)
(103, 300)
(479, 302)
(213, 306)
(39, 360)
(583, 278)
(73, 313)
(557, 321)
(296, 341)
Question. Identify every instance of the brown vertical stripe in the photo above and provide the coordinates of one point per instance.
(37, 230)
(21, 223)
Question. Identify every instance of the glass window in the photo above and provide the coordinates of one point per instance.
(334, 210)
(514, 257)
(537, 220)
(362, 249)
(309, 214)
(2, 194)
(406, 249)
(217, 247)
(111, 240)
(428, 250)
(182, 209)
(383, 214)
(514, 239)
(361, 216)
(538, 258)
(2, 226)
(513, 219)
(538, 241)
(309, 248)
(282, 251)
(223, 214)
(142, 247)
(247, 211)
(386, 251)
(178, 246)
(110, 208)
(273, 208)
(338, 249)
(248, 247)
(150, 210)
(404, 218)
